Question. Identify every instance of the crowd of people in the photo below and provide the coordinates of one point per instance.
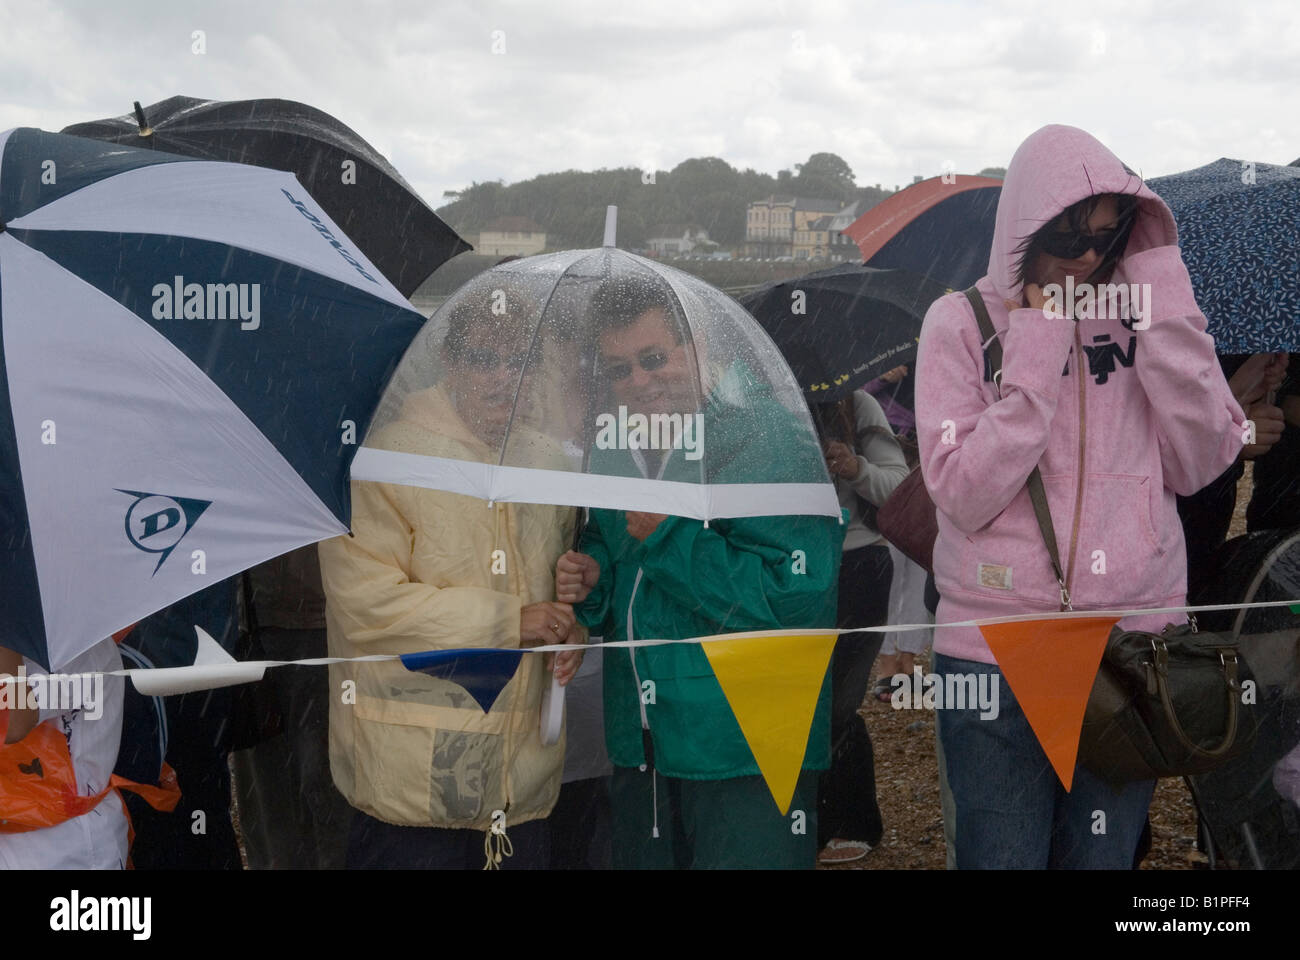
(372, 765)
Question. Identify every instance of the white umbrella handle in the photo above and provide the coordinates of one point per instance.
(552, 713)
(611, 225)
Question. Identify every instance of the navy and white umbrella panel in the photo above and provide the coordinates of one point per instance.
(191, 351)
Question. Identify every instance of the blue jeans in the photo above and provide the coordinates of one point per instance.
(1011, 809)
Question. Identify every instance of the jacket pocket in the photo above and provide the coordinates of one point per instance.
(390, 763)
(1119, 554)
(416, 765)
(1009, 558)
(695, 732)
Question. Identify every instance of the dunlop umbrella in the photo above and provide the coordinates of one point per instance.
(191, 350)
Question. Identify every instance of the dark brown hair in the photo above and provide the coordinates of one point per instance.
(620, 300)
(1075, 218)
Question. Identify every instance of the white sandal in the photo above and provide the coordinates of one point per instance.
(843, 851)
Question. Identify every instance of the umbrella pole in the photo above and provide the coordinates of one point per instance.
(580, 521)
(145, 129)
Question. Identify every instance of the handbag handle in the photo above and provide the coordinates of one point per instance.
(1037, 495)
(1161, 668)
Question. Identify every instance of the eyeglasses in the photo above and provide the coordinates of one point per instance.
(1069, 245)
(648, 362)
(489, 360)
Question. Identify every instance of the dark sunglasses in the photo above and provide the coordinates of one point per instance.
(648, 362)
(1068, 245)
(490, 360)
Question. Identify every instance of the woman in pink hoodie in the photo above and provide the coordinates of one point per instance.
(1120, 409)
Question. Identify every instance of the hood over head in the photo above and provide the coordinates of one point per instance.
(431, 412)
(1055, 168)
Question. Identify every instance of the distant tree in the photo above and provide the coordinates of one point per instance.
(826, 164)
(703, 173)
(870, 196)
(826, 175)
(999, 172)
(704, 191)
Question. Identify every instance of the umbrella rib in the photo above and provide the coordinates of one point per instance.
(695, 382)
(537, 331)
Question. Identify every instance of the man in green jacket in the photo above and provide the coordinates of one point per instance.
(686, 791)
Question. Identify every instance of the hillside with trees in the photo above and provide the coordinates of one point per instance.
(703, 190)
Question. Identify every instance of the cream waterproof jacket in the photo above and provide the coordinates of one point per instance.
(417, 574)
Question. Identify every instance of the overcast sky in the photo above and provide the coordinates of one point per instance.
(895, 88)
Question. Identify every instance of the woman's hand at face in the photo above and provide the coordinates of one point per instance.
(1034, 298)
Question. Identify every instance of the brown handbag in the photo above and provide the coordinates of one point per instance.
(1168, 704)
(908, 520)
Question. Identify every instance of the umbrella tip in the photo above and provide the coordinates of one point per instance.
(145, 129)
(611, 225)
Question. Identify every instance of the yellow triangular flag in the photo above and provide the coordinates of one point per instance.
(771, 681)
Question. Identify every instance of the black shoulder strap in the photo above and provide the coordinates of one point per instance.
(1037, 495)
(988, 336)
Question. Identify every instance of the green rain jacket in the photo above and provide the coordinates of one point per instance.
(689, 581)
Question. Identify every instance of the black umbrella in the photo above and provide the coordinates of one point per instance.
(842, 327)
(377, 209)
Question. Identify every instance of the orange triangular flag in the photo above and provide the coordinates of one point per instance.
(772, 682)
(1050, 666)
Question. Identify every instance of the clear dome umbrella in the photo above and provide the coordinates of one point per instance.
(599, 378)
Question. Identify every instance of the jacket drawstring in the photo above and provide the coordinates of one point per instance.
(648, 748)
(496, 845)
(654, 792)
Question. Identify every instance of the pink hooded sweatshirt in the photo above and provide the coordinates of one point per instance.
(1118, 416)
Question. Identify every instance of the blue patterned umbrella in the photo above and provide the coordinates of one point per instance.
(1239, 229)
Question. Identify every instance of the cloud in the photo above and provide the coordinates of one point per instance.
(894, 89)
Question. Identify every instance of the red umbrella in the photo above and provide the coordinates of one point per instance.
(941, 228)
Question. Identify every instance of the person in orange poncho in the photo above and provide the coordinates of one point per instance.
(57, 810)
